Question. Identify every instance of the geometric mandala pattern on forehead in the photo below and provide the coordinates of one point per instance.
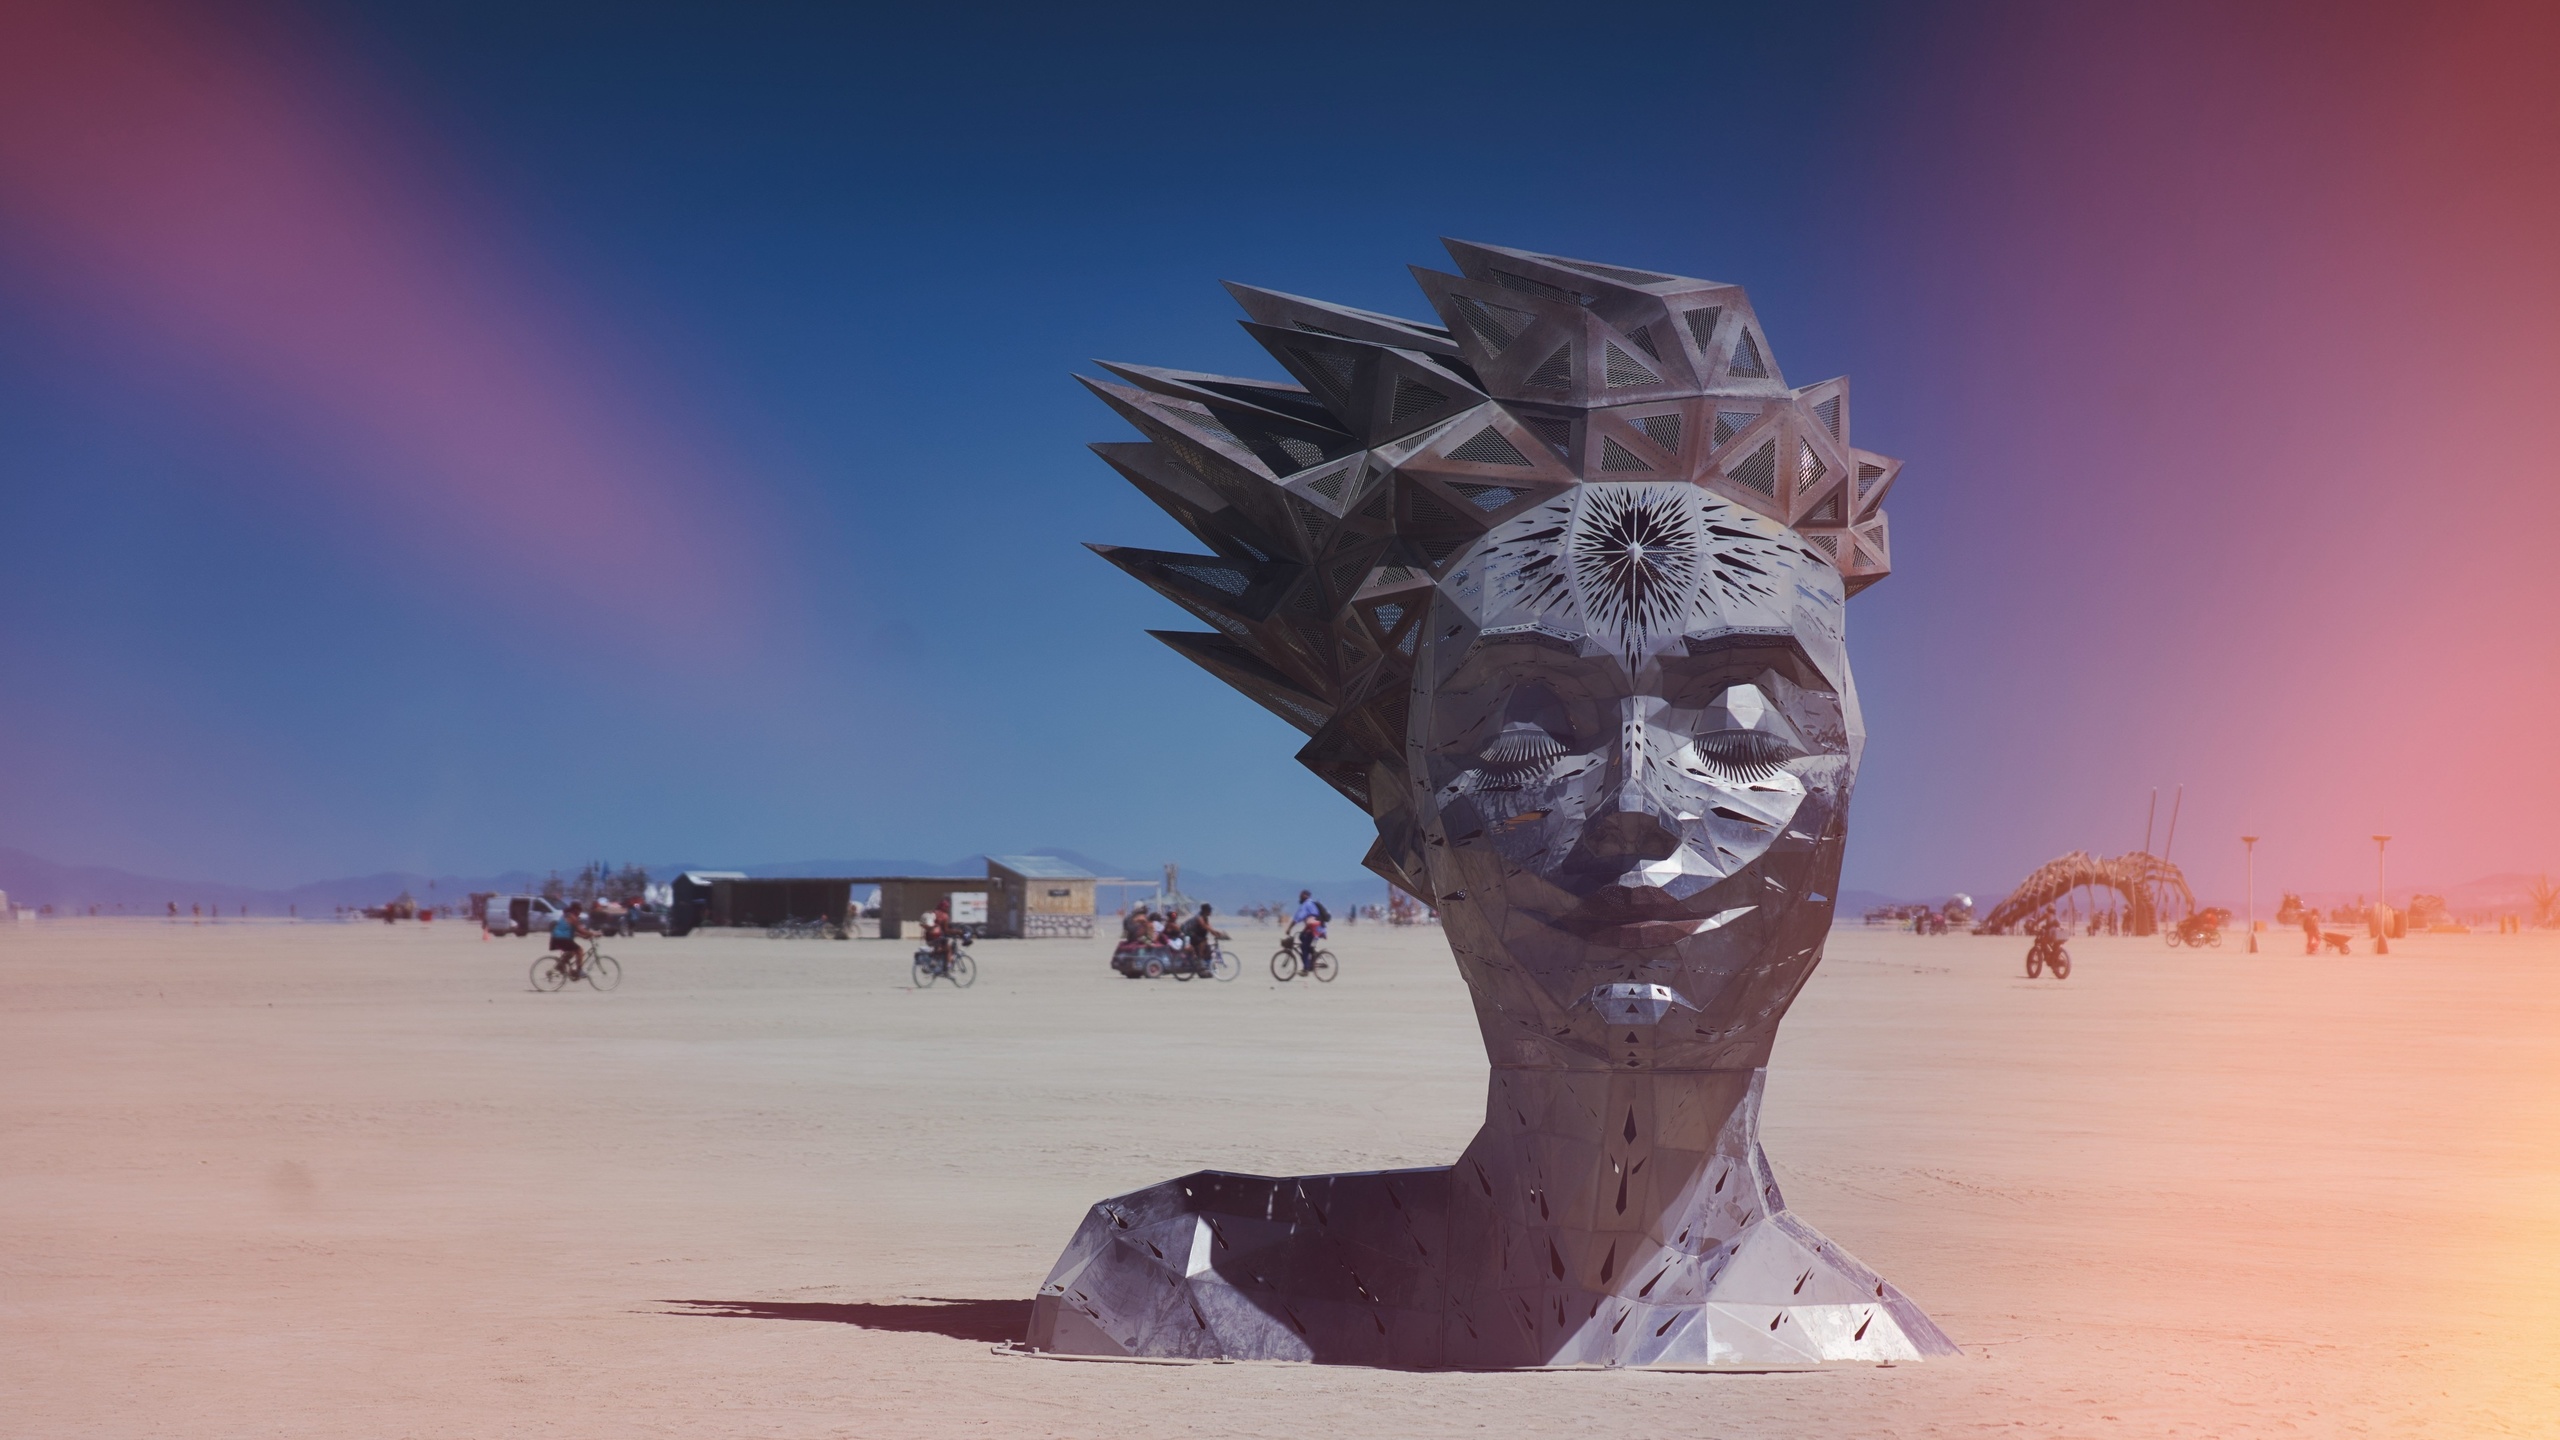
(1333, 502)
(1635, 560)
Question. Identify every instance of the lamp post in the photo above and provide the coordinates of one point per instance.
(2381, 905)
(2251, 841)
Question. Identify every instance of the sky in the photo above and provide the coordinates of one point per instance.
(459, 436)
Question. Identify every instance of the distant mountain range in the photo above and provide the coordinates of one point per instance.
(31, 881)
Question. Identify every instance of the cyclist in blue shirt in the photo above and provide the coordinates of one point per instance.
(1309, 922)
(566, 932)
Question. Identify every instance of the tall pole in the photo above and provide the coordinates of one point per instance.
(2175, 805)
(2381, 906)
(2251, 841)
(2148, 816)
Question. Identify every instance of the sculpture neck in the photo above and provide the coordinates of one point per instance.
(1671, 1154)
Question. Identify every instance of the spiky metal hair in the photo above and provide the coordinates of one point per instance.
(1335, 504)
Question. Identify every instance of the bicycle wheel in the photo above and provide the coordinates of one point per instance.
(547, 974)
(1324, 966)
(964, 971)
(603, 971)
(1223, 966)
(924, 970)
(1284, 963)
(2062, 965)
(2035, 965)
(2213, 937)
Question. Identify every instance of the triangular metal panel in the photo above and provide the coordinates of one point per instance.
(1226, 466)
(1434, 525)
(1828, 403)
(1284, 443)
(1296, 312)
(1622, 371)
(1875, 476)
(1230, 594)
(1413, 393)
(1193, 505)
(1748, 357)
(1529, 327)
(1240, 668)
(1273, 400)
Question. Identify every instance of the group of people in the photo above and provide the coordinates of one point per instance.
(1193, 937)
(1181, 938)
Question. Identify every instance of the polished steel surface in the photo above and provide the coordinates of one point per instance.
(1556, 589)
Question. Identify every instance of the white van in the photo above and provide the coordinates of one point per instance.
(519, 915)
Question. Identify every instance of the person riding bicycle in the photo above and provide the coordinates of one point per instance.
(2047, 932)
(1309, 921)
(940, 935)
(1202, 936)
(566, 932)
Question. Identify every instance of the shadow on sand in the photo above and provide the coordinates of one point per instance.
(990, 1321)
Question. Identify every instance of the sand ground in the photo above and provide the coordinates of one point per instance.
(350, 1180)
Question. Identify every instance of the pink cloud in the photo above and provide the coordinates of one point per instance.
(222, 194)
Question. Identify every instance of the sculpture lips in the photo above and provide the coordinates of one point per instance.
(1636, 918)
(1635, 935)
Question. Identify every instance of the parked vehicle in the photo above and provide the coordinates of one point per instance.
(518, 915)
(1152, 962)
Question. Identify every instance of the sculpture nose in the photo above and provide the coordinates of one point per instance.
(1624, 836)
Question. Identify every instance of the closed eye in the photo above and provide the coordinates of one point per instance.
(1521, 755)
(1744, 756)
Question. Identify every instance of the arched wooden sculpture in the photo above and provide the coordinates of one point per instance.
(2153, 889)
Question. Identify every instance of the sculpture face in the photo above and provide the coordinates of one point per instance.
(1637, 733)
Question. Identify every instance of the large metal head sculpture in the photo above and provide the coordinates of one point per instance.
(1555, 591)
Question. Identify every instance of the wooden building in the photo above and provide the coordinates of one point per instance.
(1039, 897)
(1021, 896)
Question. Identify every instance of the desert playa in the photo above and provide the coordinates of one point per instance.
(332, 1180)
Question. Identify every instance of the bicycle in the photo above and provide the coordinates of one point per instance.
(1220, 966)
(955, 967)
(2048, 953)
(558, 969)
(1286, 966)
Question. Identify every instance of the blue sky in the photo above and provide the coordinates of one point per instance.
(834, 271)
